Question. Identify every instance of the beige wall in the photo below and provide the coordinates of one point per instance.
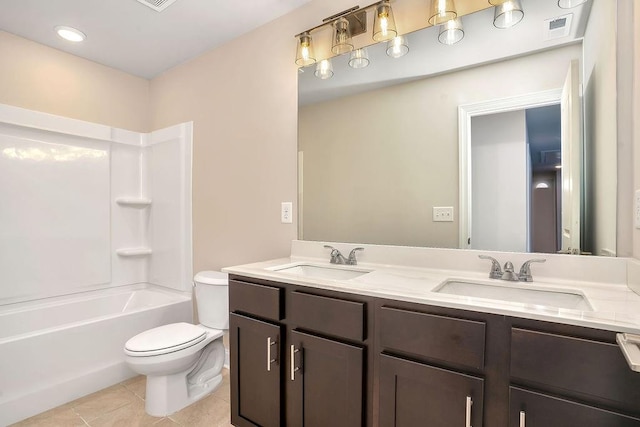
(376, 163)
(599, 82)
(242, 98)
(40, 78)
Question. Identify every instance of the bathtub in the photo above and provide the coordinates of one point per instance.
(58, 349)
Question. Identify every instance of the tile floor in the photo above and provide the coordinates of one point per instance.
(123, 405)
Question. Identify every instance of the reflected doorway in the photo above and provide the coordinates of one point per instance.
(515, 180)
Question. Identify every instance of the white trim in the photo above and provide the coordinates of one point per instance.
(22, 117)
(465, 113)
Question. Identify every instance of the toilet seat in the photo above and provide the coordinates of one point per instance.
(164, 339)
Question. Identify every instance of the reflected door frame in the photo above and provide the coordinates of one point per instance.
(465, 113)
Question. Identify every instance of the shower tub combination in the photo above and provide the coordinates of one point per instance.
(58, 349)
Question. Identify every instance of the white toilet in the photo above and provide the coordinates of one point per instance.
(183, 362)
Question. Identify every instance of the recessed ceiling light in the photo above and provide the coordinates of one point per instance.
(70, 33)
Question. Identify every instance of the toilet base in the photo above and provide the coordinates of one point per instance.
(168, 394)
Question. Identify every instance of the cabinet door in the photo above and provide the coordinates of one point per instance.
(255, 372)
(325, 382)
(413, 394)
(531, 409)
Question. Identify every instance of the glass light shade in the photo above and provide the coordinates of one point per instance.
(442, 11)
(508, 14)
(497, 2)
(568, 4)
(384, 26)
(359, 58)
(324, 69)
(304, 53)
(451, 32)
(342, 42)
(397, 47)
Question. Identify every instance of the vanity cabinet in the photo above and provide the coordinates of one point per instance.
(431, 368)
(302, 353)
(576, 377)
(309, 357)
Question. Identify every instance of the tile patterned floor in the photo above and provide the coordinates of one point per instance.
(122, 405)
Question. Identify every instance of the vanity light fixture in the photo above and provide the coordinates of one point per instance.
(568, 4)
(324, 69)
(304, 53)
(397, 47)
(442, 11)
(384, 26)
(508, 14)
(359, 58)
(342, 42)
(451, 32)
(70, 34)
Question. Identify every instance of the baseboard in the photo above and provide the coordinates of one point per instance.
(17, 408)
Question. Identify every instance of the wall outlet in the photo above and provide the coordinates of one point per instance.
(286, 213)
(443, 214)
(636, 209)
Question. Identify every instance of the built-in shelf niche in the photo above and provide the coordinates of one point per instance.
(134, 202)
(134, 252)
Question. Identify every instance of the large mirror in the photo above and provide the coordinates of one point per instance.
(460, 146)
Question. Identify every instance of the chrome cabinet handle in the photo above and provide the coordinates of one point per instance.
(269, 359)
(468, 412)
(522, 419)
(293, 362)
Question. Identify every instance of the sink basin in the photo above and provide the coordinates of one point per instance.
(517, 292)
(322, 272)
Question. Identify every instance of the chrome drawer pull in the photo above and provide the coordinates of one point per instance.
(293, 362)
(521, 418)
(468, 412)
(269, 359)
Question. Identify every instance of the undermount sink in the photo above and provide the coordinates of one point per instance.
(322, 272)
(517, 292)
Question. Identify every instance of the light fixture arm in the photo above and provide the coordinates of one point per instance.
(348, 13)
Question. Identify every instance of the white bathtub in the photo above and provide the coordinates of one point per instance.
(55, 350)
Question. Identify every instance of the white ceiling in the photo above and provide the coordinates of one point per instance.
(134, 38)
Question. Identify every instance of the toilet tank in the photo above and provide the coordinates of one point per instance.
(211, 290)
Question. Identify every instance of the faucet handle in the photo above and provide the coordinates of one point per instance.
(352, 256)
(335, 255)
(525, 270)
(496, 270)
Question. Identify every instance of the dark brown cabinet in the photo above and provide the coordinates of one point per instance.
(531, 409)
(327, 382)
(255, 352)
(416, 394)
(306, 357)
(297, 358)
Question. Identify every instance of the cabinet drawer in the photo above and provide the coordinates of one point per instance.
(580, 367)
(456, 341)
(332, 316)
(260, 300)
(530, 409)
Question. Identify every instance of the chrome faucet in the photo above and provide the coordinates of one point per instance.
(496, 271)
(352, 256)
(525, 270)
(338, 258)
(509, 274)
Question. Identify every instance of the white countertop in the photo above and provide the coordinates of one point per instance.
(615, 306)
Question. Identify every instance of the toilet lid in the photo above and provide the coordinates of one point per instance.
(165, 339)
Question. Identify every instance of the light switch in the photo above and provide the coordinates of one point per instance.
(443, 214)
